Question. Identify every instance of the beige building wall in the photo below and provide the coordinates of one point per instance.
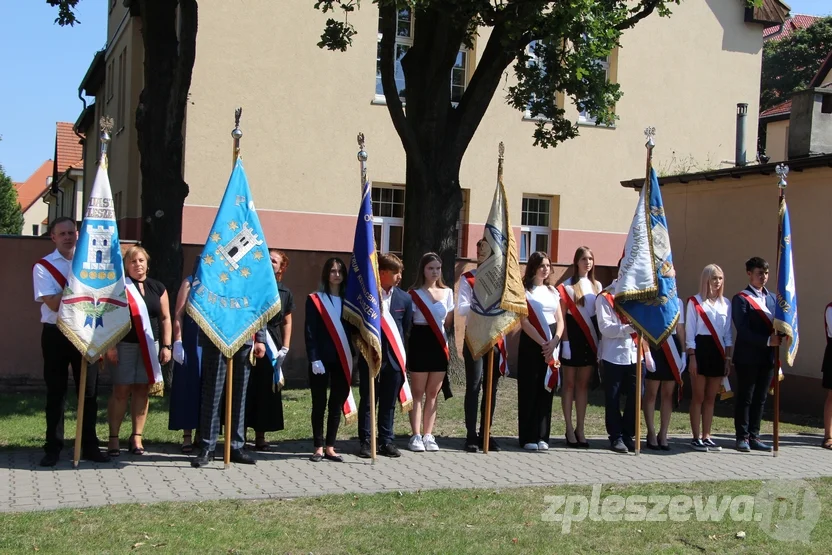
(302, 108)
(777, 140)
(38, 212)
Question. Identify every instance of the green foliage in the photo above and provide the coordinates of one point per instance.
(555, 48)
(790, 64)
(11, 215)
(66, 12)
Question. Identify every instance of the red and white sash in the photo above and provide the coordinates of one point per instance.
(332, 321)
(419, 297)
(140, 319)
(725, 388)
(56, 274)
(675, 360)
(766, 317)
(538, 321)
(586, 327)
(623, 319)
(502, 362)
(391, 332)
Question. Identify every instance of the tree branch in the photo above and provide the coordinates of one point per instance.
(647, 8)
(388, 80)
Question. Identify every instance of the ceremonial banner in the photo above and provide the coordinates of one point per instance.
(362, 308)
(498, 299)
(234, 292)
(646, 289)
(94, 314)
(785, 311)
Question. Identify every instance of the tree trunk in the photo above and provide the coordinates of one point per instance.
(169, 53)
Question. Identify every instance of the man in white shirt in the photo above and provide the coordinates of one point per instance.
(618, 356)
(50, 276)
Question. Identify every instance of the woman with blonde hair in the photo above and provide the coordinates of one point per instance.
(428, 353)
(709, 345)
(579, 353)
(139, 356)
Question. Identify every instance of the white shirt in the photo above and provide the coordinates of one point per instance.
(385, 299)
(547, 296)
(440, 309)
(760, 295)
(46, 285)
(681, 315)
(463, 303)
(829, 322)
(719, 313)
(585, 286)
(617, 345)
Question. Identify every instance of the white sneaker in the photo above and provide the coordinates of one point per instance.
(416, 444)
(542, 446)
(530, 447)
(430, 443)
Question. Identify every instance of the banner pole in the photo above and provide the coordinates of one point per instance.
(782, 171)
(82, 386)
(489, 383)
(236, 135)
(640, 355)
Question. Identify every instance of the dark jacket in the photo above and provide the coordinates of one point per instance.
(319, 344)
(401, 307)
(751, 346)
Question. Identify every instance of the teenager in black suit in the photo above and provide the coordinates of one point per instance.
(752, 311)
(391, 377)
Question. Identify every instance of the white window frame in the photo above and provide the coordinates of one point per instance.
(584, 116)
(530, 233)
(533, 59)
(387, 222)
(407, 41)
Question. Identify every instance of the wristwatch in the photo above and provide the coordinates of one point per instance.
(168, 347)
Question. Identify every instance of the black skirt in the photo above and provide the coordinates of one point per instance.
(663, 371)
(709, 361)
(424, 353)
(581, 351)
(827, 365)
(264, 407)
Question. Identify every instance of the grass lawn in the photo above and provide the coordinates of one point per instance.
(22, 422)
(443, 521)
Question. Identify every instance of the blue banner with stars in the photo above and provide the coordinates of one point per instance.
(234, 292)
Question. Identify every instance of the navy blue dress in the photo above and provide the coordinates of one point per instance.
(186, 389)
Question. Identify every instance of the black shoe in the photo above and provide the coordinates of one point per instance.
(472, 446)
(317, 457)
(665, 447)
(334, 458)
(390, 450)
(241, 457)
(629, 443)
(571, 444)
(618, 446)
(365, 452)
(492, 445)
(203, 459)
(757, 445)
(94, 455)
(49, 459)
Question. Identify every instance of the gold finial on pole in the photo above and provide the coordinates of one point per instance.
(236, 134)
(362, 157)
(501, 154)
(649, 132)
(106, 126)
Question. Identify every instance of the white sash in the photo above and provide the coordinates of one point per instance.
(429, 301)
(144, 332)
(271, 353)
(538, 321)
(343, 346)
(587, 324)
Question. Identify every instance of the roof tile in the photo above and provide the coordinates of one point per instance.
(29, 191)
(69, 152)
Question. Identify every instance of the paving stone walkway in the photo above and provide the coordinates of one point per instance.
(287, 472)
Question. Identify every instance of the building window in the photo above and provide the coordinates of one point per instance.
(122, 86)
(117, 206)
(535, 226)
(35, 230)
(608, 64)
(405, 29)
(110, 79)
(461, 227)
(388, 218)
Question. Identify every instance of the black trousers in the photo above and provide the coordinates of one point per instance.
(334, 380)
(619, 379)
(388, 384)
(534, 403)
(473, 383)
(753, 382)
(58, 355)
(214, 374)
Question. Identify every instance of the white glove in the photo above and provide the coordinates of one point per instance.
(565, 351)
(281, 356)
(178, 352)
(318, 368)
(649, 362)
